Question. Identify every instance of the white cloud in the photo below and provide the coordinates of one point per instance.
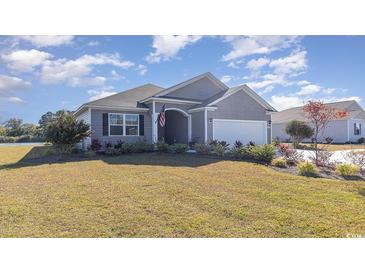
(25, 60)
(142, 69)
(168, 46)
(329, 90)
(309, 89)
(14, 99)
(48, 40)
(115, 75)
(285, 102)
(226, 78)
(256, 64)
(247, 45)
(291, 65)
(98, 94)
(268, 80)
(9, 84)
(87, 81)
(303, 82)
(63, 70)
(93, 43)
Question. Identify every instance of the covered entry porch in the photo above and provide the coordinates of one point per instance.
(177, 127)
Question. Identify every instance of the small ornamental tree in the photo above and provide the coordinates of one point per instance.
(298, 131)
(65, 132)
(320, 114)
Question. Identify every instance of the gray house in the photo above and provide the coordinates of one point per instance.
(347, 129)
(200, 109)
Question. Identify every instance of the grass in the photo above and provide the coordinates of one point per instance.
(160, 195)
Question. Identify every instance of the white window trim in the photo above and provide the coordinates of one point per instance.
(124, 125)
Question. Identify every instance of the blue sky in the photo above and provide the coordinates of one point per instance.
(47, 73)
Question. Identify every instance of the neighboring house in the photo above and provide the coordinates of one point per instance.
(200, 109)
(342, 130)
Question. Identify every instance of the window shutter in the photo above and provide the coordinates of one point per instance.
(105, 124)
(141, 125)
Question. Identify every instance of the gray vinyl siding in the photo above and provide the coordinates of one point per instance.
(97, 127)
(238, 106)
(337, 130)
(199, 90)
(197, 124)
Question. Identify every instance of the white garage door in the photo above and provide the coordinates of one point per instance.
(243, 130)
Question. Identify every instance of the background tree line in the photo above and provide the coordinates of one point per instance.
(16, 131)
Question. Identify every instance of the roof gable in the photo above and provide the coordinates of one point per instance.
(243, 88)
(200, 87)
(297, 113)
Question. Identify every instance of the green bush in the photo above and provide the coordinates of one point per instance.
(178, 148)
(361, 140)
(202, 149)
(111, 151)
(347, 170)
(307, 169)
(142, 147)
(279, 162)
(219, 149)
(66, 131)
(128, 148)
(264, 153)
(162, 146)
(239, 152)
(7, 139)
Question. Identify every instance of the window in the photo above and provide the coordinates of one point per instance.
(131, 124)
(123, 124)
(116, 124)
(357, 128)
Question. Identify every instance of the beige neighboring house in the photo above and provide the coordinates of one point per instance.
(342, 130)
(199, 109)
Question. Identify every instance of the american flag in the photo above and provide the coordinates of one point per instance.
(161, 117)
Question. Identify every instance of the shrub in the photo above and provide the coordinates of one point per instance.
(142, 147)
(275, 141)
(251, 144)
(357, 158)
(347, 170)
(307, 169)
(323, 158)
(127, 148)
(119, 144)
(75, 150)
(219, 149)
(264, 153)
(110, 151)
(217, 142)
(361, 140)
(202, 149)
(162, 146)
(279, 162)
(89, 154)
(239, 152)
(178, 148)
(95, 145)
(291, 156)
(65, 132)
(328, 140)
(7, 139)
(298, 131)
(238, 144)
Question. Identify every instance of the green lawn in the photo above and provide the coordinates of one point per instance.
(152, 195)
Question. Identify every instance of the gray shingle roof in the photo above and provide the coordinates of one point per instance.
(297, 113)
(128, 98)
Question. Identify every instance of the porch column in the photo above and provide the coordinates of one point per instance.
(154, 124)
(189, 128)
